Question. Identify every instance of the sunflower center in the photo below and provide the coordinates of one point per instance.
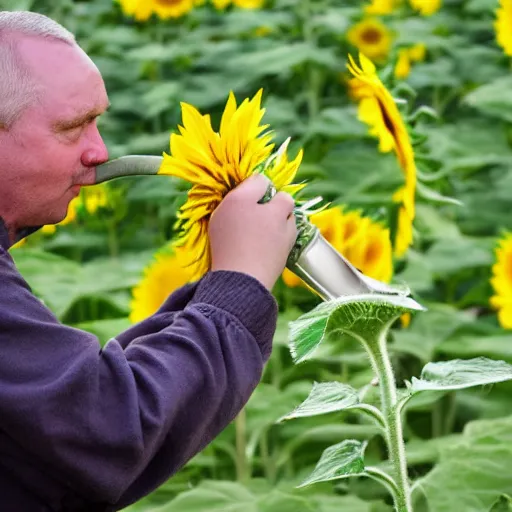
(168, 3)
(371, 36)
(372, 254)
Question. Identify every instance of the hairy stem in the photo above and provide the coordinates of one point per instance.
(242, 466)
(394, 429)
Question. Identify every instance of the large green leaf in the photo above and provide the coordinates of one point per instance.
(60, 282)
(363, 316)
(324, 398)
(430, 330)
(497, 345)
(447, 257)
(222, 496)
(503, 504)
(493, 99)
(460, 374)
(339, 461)
(473, 472)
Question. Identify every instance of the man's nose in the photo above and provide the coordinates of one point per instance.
(96, 152)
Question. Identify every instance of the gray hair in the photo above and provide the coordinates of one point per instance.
(17, 88)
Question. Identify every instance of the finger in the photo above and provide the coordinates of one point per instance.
(291, 231)
(252, 189)
(284, 203)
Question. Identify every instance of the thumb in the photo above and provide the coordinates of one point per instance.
(253, 188)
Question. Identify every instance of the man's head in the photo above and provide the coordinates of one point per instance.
(51, 94)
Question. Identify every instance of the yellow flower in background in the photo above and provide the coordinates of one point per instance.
(426, 7)
(243, 4)
(406, 56)
(141, 10)
(364, 242)
(381, 7)
(172, 8)
(94, 198)
(19, 244)
(221, 4)
(249, 4)
(371, 37)
(503, 26)
(378, 109)
(216, 162)
(501, 282)
(91, 199)
(162, 277)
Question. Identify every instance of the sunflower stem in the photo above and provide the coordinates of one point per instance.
(393, 421)
(314, 77)
(242, 466)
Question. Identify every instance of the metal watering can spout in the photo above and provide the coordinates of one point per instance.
(327, 272)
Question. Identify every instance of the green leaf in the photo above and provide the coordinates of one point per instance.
(429, 331)
(324, 398)
(473, 472)
(222, 496)
(447, 257)
(434, 196)
(339, 461)
(498, 345)
(461, 374)
(493, 99)
(362, 316)
(503, 504)
(60, 282)
(105, 330)
(349, 503)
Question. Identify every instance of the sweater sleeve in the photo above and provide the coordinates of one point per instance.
(113, 424)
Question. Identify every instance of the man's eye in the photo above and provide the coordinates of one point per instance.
(75, 130)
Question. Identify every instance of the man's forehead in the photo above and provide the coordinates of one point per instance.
(65, 75)
(46, 56)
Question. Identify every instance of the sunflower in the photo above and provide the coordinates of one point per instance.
(221, 4)
(243, 4)
(371, 37)
(381, 7)
(501, 281)
(172, 8)
(90, 200)
(503, 26)
(141, 10)
(378, 109)
(364, 242)
(94, 198)
(426, 7)
(406, 56)
(162, 277)
(249, 4)
(216, 162)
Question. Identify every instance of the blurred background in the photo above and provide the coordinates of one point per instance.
(448, 65)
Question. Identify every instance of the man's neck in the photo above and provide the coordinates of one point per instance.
(9, 235)
(5, 237)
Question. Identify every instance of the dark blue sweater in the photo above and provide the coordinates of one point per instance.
(85, 428)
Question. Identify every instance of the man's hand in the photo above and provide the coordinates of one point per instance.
(253, 238)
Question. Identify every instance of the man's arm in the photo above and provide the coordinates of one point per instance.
(113, 424)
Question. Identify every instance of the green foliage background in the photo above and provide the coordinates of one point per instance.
(459, 446)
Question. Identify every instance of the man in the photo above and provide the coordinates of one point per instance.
(88, 429)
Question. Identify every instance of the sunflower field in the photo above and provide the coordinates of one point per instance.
(398, 113)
